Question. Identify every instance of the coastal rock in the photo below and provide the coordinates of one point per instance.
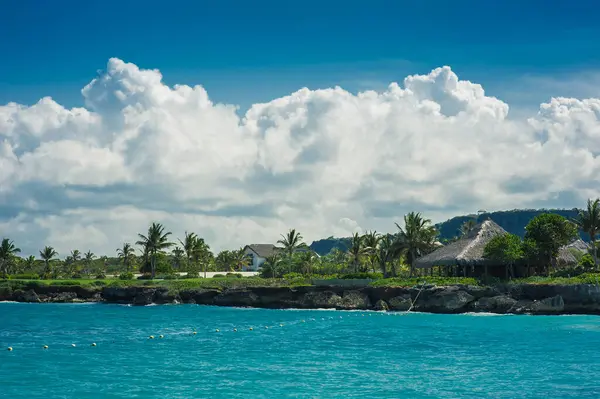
(162, 296)
(522, 306)
(381, 305)
(62, 297)
(495, 304)
(321, 299)
(144, 296)
(446, 300)
(236, 298)
(199, 296)
(552, 305)
(401, 303)
(355, 300)
(26, 296)
(6, 294)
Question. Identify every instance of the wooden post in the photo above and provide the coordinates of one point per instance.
(465, 271)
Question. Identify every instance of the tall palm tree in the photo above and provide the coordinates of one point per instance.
(388, 251)
(8, 251)
(416, 238)
(357, 251)
(72, 260)
(177, 257)
(291, 242)
(588, 221)
(87, 260)
(30, 263)
(371, 242)
(240, 259)
(190, 247)
(47, 254)
(154, 242)
(126, 254)
(270, 265)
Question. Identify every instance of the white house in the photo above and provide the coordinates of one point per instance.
(258, 254)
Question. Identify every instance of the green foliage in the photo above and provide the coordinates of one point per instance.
(587, 262)
(550, 232)
(505, 249)
(362, 275)
(126, 276)
(585, 278)
(410, 282)
(191, 275)
(219, 276)
(233, 275)
(100, 276)
(25, 276)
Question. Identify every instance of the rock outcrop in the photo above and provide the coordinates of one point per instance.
(518, 298)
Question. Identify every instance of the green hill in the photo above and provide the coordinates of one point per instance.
(512, 221)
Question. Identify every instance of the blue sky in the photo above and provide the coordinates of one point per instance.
(245, 52)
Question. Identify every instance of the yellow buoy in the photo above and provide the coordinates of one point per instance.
(161, 336)
(194, 333)
(250, 328)
(93, 344)
(151, 337)
(45, 346)
(217, 330)
(9, 349)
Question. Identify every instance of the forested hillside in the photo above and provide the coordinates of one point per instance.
(512, 221)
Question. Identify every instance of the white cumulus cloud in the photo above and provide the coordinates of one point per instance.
(326, 162)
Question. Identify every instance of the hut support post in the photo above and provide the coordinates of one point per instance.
(464, 271)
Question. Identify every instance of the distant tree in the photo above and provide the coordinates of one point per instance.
(8, 251)
(588, 221)
(178, 254)
(356, 252)
(371, 242)
(29, 263)
(47, 254)
(240, 259)
(153, 243)
(291, 242)
(545, 234)
(87, 261)
(271, 268)
(417, 237)
(127, 255)
(506, 249)
(224, 260)
(467, 227)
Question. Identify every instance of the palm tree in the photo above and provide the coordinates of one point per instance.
(467, 226)
(371, 242)
(155, 242)
(189, 245)
(416, 238)
(291, 242)
(47, 254)
(30, 263)
(270, 265)
(356, 251)
(71, 261)
(388, 251)
(177, 257)
(87, 260)
(240, 259)
(8, 251)
(126, 254)
(588, 221)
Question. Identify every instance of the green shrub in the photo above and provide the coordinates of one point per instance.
(126, 276)
(101, 276)
(77, 276)
(168, 277)
(25, 276)
(587, 262)
(234, 275)
(569, 272)
(191, 275)
(219, 276)
(363, 275)
(145, 276)
(99, 283)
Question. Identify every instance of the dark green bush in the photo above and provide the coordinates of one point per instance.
(219, 276)
(99, 283)
(145, 277)
(101, 276)
(569, 272)
(168, 277)
(77, 275)
(25, 276)
(363, 275)
(587, 262)
(234, 275)
(126, 276)
(191, 275)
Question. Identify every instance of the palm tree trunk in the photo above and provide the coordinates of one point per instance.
(152, 267)
(204, 267)
(594, 251)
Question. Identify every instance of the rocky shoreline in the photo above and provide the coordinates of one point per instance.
(515, 299)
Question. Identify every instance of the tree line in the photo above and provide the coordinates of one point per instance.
(391, 254)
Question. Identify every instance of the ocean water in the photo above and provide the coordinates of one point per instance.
(314, 354)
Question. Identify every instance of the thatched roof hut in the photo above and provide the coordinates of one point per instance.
(565, 258)
(467, 250)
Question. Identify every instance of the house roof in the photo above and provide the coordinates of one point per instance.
(263, 250)
(465, 251)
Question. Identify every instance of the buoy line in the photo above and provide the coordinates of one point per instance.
(250, 328)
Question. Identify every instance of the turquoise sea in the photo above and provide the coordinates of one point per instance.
(313, 354)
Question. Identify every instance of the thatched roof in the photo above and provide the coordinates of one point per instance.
(465, 251)
(565, 257)
(579, 245)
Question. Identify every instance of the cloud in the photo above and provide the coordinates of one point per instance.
(326, 162)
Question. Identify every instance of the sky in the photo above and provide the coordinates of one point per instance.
(240, 120)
